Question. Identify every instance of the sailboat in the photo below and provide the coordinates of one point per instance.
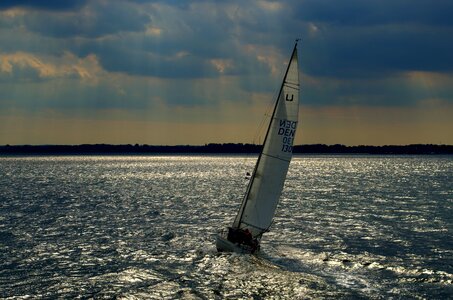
(258, 206)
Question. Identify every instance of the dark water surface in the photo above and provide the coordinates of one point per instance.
(371, 227)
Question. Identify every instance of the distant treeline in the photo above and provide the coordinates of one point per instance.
(228, 148)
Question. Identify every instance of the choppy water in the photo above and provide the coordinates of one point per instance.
(143, 227)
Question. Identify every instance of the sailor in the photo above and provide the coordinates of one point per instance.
(248, 234)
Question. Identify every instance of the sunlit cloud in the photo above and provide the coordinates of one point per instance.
(153, 31)
(25, 66)
(270, 5)
(222, 64)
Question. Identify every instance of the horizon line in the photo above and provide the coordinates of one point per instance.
(226, 148)
(207, 144)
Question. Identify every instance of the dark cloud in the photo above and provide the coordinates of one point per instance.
(376, 12)
(377, 52)
(183, 65)
(375, 38)
(93, 21)
(43, 4)
(147, 64)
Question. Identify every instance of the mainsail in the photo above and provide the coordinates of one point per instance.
(266, 184)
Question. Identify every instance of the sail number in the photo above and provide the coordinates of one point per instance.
(287, 129)
(287, 148)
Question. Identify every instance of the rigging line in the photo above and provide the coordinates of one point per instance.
(255, 140)
(276, 157)
(264, 121)
(254, 226)
(292, 86)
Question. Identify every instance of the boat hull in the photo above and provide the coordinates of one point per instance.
(224, 245)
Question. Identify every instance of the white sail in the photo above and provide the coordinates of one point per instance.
(263, 193)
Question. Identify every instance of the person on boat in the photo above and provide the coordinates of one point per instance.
(250, 241)
(240, 236)
(233, 235)
(243, 237)
(247, 235)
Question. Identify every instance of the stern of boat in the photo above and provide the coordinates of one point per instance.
(224, 245)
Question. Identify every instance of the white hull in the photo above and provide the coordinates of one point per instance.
(224, 245)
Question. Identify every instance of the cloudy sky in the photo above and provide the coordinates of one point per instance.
(194, 72)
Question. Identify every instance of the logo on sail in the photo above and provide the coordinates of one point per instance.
(289, 99)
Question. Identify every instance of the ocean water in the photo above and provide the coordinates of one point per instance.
(143, 227)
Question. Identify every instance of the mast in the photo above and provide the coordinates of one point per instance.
(239, 218)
